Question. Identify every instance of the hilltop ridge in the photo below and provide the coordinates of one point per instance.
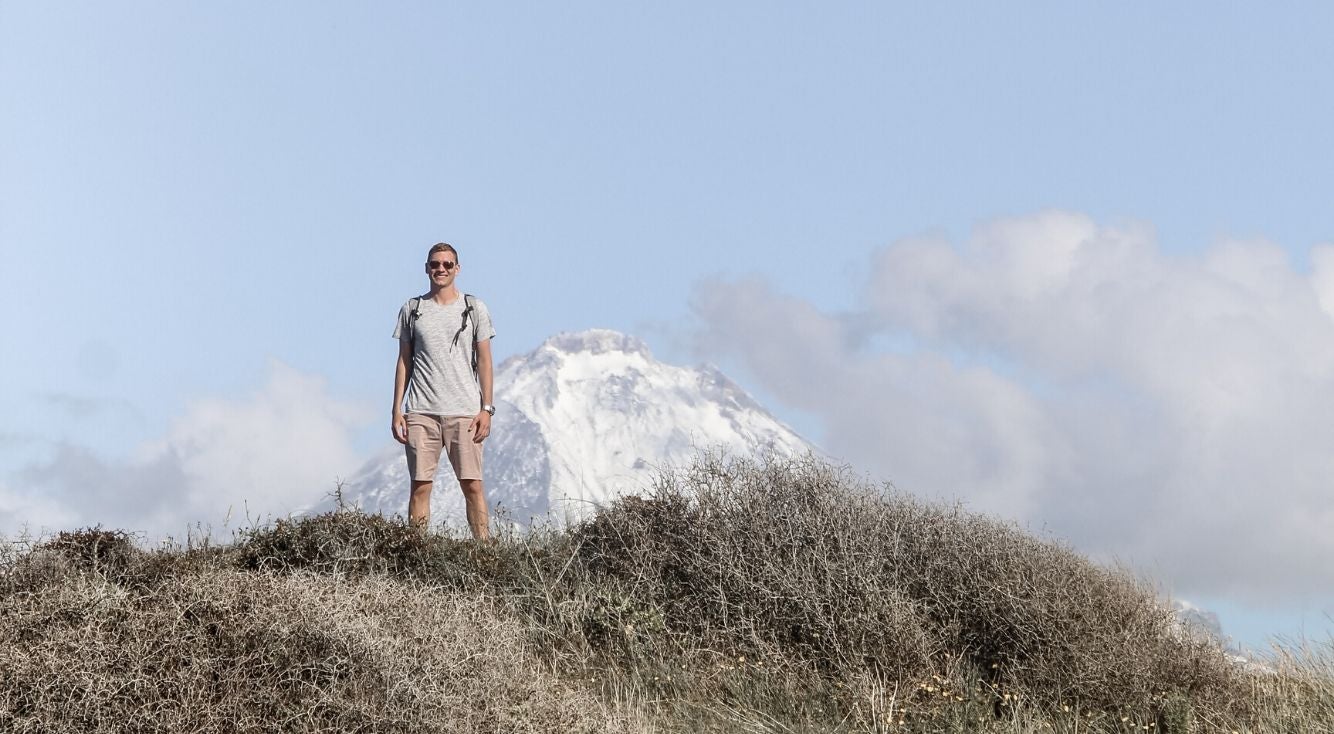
(770, 595)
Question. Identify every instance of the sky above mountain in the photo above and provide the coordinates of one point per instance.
(1061, 262)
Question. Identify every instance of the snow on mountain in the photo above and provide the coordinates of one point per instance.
(581, 420)
(1199, 619)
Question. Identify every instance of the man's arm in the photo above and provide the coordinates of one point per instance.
(398, 424)
(481, 425)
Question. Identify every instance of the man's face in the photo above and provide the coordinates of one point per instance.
(441, 268)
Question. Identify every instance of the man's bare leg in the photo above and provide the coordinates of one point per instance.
(419, 505)
(475, 499)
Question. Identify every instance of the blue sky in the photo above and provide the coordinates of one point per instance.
(210, 213)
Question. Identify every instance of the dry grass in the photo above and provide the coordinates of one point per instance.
(752, 596)
(1298, 695)
(226, 650)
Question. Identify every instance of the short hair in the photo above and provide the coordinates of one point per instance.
(442, 247)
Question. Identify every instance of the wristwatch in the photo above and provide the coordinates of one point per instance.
(490, 409)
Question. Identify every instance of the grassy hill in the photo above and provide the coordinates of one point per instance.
(751, 596)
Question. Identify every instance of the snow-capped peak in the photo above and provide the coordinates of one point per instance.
(596, 341)
(586, 417)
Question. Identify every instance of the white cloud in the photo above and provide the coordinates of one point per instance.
(264, 455)
(29, 512)
(1163, 409)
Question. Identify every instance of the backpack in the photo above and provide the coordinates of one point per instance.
(415, 303)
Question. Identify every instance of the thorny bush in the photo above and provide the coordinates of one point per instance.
(798, 555)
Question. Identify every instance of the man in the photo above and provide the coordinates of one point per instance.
(444, 372)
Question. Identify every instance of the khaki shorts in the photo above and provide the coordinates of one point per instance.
(428, 435)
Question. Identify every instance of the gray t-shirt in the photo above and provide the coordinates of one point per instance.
(442, 381)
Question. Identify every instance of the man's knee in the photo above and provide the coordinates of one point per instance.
(471, 486)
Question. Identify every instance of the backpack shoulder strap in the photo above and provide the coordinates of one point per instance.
(468, 301)
(413, 305)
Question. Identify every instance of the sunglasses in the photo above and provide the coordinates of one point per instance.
(446, 265)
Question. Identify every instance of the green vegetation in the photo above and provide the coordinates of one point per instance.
(754, 596)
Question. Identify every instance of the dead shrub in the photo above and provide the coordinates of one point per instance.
(106, 552)
(799, 555)
(233, 651)
(349, 543)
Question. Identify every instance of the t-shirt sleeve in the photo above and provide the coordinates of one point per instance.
(401, 327)
(484, 328)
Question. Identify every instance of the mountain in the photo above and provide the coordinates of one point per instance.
(1200, 620)
(583, 419)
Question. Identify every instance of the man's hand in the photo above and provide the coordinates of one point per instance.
(480, 427)
(400, 428)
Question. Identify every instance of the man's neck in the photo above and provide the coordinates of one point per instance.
(445, 296)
